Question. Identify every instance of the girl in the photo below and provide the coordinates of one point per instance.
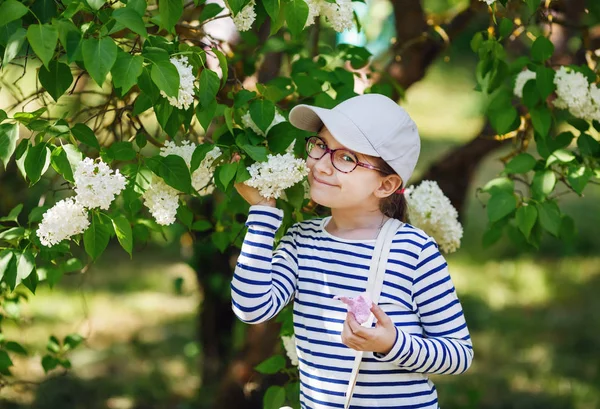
(360, 160)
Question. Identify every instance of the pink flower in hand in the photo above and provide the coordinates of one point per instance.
(359, 306)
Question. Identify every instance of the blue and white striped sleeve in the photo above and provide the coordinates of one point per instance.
(446, 346)
(264, 281)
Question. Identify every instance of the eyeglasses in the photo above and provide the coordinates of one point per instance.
(342, 159)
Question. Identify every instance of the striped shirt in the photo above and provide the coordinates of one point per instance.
(310, 266)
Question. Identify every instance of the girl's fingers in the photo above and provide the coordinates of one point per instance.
(357, 329)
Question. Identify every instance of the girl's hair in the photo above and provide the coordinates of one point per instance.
(395, 205)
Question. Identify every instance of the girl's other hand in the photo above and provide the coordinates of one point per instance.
(379, 339)
(250, 194)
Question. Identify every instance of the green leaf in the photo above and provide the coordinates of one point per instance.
(272, 8)
(130, 19)
(545, 81)
(543, 183)
(550, 218)
(274, 397)
(221, 240)
(3, 115)
(11, 10)
(72, 341)
(96, 238)
(587, 145)
(14, 233)
(237, 5)
(567, 229)
(170, 12)
(578, 177)
(521, 163)
(8, 264)
(199, 155)
(223, 64)
(295, 195)
(242, 173)
(5, 362)
(531, 94)
(526, 217)
(500, 205)
(124, 234)
(49, 362)
(209, 86)
(84, 134)
(506, 27)
(209, 11)
(175, 172)
(541, 118)
(60, 163)
(96, 4)
(9, 134)
(122, 151)
(271, 365)
(560, 155)
(282, 135)
(166, 77)
(542, 49)
(296, 14)
(99, 56)
(25, 266)
(262, 112)
(56, 79)
(226, 173)
(258, 153)
(185, 216)
(499, 184)
(14, 44)
(31, 282)
(16, 348)
(126, 70)
(504, 120)
(13, 214)
(37, 161)
(43, 39)
(205, 114)
(307, 86)
(70, 38)
(201, 225)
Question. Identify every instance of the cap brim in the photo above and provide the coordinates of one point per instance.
(343, 129)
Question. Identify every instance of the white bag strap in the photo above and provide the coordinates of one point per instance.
(374, 285)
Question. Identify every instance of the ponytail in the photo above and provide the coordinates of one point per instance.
(395, 205)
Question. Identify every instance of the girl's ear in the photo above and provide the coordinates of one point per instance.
(388, 186)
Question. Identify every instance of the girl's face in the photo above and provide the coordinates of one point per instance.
(360, 188)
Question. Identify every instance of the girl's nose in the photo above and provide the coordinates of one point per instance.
(324, 165)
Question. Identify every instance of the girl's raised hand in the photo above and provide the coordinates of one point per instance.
(250, 194)
(379, 339)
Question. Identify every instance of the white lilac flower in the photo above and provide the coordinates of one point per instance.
(96, 184)
(185, 150)
(289, 344)
(339, 14)
(245, 18)
(202, 178)
(62, 221)
(249, 123)
(185, 97)
(522, 79)
(275, 175)
(489, 2)
(575, 93)
(162, 200)
(431, 211)
(314, 9)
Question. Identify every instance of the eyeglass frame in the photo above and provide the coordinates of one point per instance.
(332, 151)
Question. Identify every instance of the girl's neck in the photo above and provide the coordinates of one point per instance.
(355, 224)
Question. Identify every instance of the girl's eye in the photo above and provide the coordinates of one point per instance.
(348, 158)
(321, 146)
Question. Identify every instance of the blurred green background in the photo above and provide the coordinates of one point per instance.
(534, 316)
